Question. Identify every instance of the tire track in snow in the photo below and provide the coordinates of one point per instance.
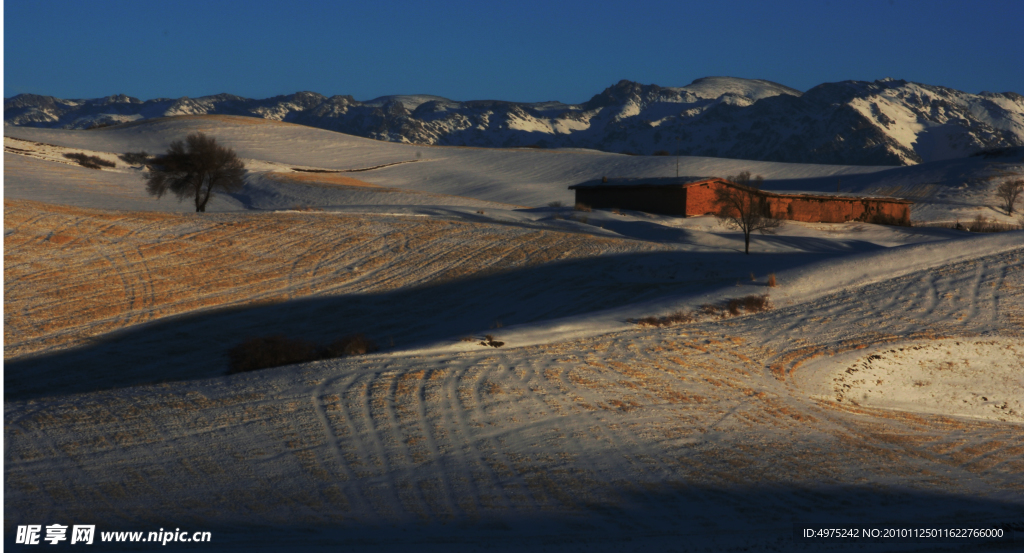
(471, 442)
(352, 491)
(975, 292)
(405, 467)
(471, 403)
(995, 281)
(436, 459)
(931, 295)
(377, 452)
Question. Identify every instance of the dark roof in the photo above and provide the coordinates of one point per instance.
(835, 195)
(660, 181)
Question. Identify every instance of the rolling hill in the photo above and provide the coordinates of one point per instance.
(879, 389)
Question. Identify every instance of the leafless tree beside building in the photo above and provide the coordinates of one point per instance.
(745, 208)
(1008, 193)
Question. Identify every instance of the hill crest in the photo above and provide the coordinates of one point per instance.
(884, 122)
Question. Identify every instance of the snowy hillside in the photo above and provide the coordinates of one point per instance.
(945, 191)
(885, 122)
(522, 398)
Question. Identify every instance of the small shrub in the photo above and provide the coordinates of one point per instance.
(357, 344)
(583, 207)
(480, 212)
(709, 309)
(980, 224)
(269, 351)
(489, 340)
(278, 350)
(135, 158)
(92, 162)
(556, 203)
(662, 153)
(750, 304)
(679, 317)
(771, 280)
(583, 219)
(753, 278)
(734, 307)
(756, 304)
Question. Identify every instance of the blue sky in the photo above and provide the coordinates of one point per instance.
(521, 51)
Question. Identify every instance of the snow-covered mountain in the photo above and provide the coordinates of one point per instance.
(887, 122)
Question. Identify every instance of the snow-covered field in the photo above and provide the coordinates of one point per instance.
(883, 388)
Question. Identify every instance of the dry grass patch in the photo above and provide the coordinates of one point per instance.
(679, 317)
(135, 158)
(732, 307)
(92, 162)
(624, 406)
(748, 304)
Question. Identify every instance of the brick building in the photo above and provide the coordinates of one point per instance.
(689, 196)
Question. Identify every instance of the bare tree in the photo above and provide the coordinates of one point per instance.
(745, 207)
(193, 169)
(1008, 192)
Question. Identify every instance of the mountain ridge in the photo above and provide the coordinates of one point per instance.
(883, 122)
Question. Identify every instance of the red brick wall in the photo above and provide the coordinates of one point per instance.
(700, 199)
(837, 210)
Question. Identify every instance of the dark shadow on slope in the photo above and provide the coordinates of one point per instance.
(811, 244)
(655, 232)
(195, 345)
(666, 516)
